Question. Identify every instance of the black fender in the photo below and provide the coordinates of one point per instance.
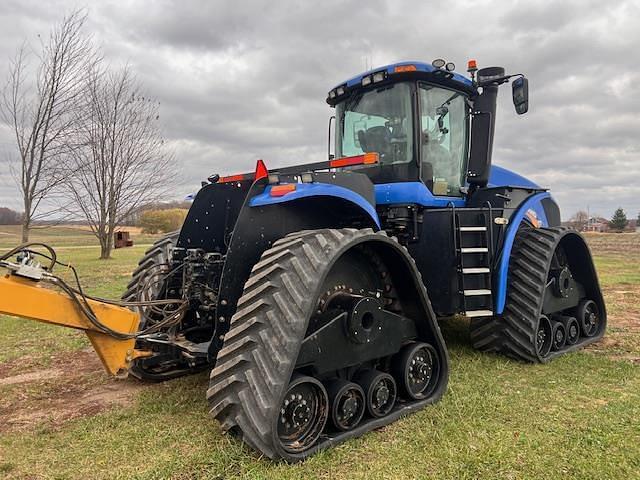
(258, 227)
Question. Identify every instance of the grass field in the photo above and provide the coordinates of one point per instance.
(578, 417)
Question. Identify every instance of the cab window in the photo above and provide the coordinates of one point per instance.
(443, 130)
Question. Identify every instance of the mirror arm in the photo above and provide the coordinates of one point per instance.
(499, 80)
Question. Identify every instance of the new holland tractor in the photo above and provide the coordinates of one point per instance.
(314, 292)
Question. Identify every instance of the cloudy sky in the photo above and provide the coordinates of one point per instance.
(244, 80)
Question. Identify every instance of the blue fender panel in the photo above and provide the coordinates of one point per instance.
(412, 192)
(502, 177)
(534, 203)
(305, 190)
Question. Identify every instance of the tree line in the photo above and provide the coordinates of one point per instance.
(88, 142)
(618, 222)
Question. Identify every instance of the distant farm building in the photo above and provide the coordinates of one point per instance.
(596, 224)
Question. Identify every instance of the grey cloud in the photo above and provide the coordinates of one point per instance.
(239, 81)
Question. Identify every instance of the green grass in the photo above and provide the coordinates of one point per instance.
(577, 417)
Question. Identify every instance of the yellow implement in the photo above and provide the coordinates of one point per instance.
(20, 297)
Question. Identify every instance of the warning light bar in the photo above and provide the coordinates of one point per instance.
(261, 172)
(366, 159)
(235, 178)
(369, 158)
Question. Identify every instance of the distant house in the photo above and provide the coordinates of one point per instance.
(596, 224)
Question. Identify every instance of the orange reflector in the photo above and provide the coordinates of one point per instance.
(405, 68)
(232, 178)
(367, 158)
(281, 190)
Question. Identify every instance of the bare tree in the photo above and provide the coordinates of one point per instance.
(40, 110)
(120, 160)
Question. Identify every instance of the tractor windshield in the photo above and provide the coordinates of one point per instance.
(376, 121)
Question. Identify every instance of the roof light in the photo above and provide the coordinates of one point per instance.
(273, 179)
(332, 94)
(450, 67)
(340, 91)
(472, 66)
(378, 76)
(366, 80)
(405, 68)
(282, 190)
(365, 159)
(438, 63)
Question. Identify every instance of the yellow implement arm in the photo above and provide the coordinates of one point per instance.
(21, 297)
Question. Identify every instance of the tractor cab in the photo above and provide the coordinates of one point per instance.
(418, 119)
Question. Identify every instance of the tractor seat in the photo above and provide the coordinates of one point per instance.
(375, 139)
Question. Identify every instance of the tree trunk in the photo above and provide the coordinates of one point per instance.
(26, 221)
(105, 244)
(105, 251)
(25, 230)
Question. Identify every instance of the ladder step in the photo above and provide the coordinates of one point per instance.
(474, 250)
(473, 293)
(469, 270)
(478, 313)
(473, 229)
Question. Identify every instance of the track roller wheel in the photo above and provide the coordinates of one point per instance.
(559, 336)
(347, 404)
(380, 391)
(544, 336)
(573, 330)
(303, 414)
(588, 316)
(415, 367)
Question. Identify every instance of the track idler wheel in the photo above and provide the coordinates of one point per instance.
(347, 404)
(303, 414)
(544, 336)
(416, 370)
(588, 316)
(559, 336)
(380, 392)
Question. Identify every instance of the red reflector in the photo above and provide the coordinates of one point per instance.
(281, 190)
(261, 171)
(367, 158)
(232, 178)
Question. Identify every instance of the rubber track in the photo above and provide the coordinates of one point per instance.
(254, 366)
(156, 254)
(514, 332)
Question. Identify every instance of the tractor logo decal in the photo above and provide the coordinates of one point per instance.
(533, 218)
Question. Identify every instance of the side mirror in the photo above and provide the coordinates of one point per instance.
(520, 89)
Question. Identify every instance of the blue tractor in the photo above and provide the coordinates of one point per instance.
(315, 291)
